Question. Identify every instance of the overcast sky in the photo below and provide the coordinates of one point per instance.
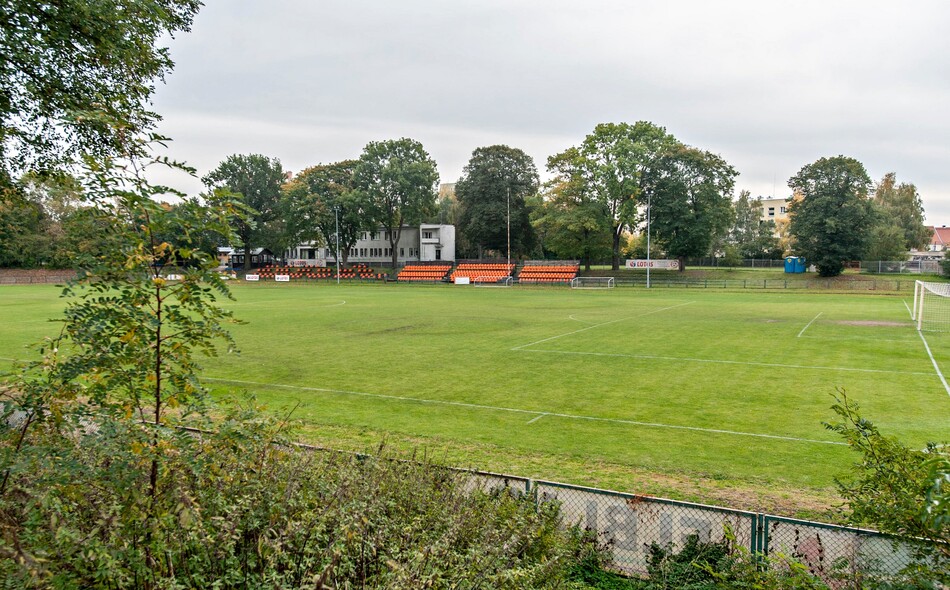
(771, 86)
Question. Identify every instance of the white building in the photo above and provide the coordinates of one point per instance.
(426, 243)
(774, 209)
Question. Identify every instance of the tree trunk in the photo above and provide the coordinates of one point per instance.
(615, 263)
(682, 263)
(393, 242)
(392, 250)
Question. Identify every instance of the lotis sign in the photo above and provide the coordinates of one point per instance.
(654, 264)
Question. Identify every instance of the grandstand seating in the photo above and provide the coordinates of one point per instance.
(308, 273)
(423, 272)
(482, 272)
(548, 273)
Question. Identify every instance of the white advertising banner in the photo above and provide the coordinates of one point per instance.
(173, 277)
(462, 280)
(282, 278)
(252, 277)
(654, 264)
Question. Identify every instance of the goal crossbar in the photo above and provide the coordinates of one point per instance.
(492, 281)
(592, 283)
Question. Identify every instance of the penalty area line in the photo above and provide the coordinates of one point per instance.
(639, 315)
(651, 357)
(809, 323)
(531, 412)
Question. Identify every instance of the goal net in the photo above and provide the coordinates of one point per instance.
(932, 306)
(592, 283)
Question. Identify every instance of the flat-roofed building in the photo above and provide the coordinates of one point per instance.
(427, 242)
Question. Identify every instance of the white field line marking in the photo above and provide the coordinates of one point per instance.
(520, 411)
(571, 317)
(909, 310)
(857, 339)
(536, 418)
(240, 303)
(639, 315)
(726, 362)
(934, 361)
(809, 323)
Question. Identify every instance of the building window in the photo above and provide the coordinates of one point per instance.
(783, 210)
(372, 236)
(427, 235)
(771, 211)
(402, 252)
(387, 235)
(438, 254)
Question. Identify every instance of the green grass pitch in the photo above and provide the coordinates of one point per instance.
(693, 382)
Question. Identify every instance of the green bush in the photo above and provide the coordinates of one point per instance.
(236, 511)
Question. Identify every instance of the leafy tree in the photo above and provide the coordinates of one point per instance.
(886, 240)
(903, 208)
(398, 180)
(831, 222)
(447, 208)
(570, 223)
(752, 237)
(255, 181)
(610, 165)
(76, 76)
(898, 490)
(691, 201)
(493, 189)
(24, 231)
(320, 196)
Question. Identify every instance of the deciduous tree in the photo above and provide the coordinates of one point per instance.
(901, 207)
(76, 76)
(492, 191)
(831, 222)
(752, 237)
(255, 181)
(691, 202)
(399, 181)
(610, 166)
(319, 198)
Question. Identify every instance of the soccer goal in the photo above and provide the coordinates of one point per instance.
(592, 283)
(932, 306)
(492, 281)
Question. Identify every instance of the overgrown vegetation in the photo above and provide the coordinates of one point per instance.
(898, 490)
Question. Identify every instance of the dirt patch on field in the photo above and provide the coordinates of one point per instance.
(873, 323)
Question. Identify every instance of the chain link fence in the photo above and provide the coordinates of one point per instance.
(629, 525)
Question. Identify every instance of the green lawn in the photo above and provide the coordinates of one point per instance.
(595, 387)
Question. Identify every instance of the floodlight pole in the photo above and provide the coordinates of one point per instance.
(336, 213)
(649, 202)
(509, 228)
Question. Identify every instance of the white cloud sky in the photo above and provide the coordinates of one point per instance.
(771, 86)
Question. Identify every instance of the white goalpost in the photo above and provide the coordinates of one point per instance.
(493, 281)
(931, 309)
(592, 283)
